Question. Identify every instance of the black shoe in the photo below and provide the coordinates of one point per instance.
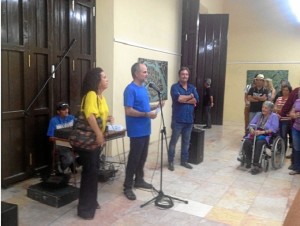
(248, 165)
(207, 127)
(85, 217)
(129, 194)
(255, 170)
(186, 165)
(171, 166)
(143, 184)
(291, 167)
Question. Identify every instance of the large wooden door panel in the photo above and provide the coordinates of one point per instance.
(212, 51)
(34, 36)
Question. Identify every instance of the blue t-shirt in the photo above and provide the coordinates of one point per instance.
(183, 112)
(137, 98)
(57, 122)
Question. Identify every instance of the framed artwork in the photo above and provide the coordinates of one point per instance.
(157, 74)
(275, 75)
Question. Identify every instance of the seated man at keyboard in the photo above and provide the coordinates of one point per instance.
(62, 120)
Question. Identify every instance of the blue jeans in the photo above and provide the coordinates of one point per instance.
(183, 129)
(284, 128)
(296, 148)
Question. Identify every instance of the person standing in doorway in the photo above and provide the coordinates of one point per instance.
(208, 102)
(138, 123)
(184, 99)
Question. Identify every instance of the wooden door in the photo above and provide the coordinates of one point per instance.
(189, 36)
(34, 36)
(211, 62)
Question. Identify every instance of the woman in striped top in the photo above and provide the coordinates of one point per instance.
(285, 123)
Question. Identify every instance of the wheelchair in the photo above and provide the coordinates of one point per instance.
(274, 152)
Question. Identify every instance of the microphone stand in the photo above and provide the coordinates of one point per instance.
(161, 197)
(52, 75)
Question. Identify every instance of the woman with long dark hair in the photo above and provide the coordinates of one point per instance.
(94, 106)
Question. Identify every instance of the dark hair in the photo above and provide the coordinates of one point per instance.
(184, 69)
(135, 68)
(287, 86)
(91, 81)
(285, 82)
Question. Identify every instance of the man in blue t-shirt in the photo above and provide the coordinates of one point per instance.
(185, 98)
(59, 121)
(138, 114)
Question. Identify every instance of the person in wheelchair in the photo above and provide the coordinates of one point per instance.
(260, 130)
(62, 120)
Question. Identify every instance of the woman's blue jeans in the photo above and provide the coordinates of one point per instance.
(183, 129)
(296, 148)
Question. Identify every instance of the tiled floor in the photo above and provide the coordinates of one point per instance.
(217, 192)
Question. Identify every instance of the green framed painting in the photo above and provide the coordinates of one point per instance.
(157, 74)
(275, 75)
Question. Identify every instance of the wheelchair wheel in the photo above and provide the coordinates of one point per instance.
(278, 152)
(264, 159)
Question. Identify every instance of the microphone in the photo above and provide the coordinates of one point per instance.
(153, 86)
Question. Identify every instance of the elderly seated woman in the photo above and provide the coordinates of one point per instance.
(263, 125)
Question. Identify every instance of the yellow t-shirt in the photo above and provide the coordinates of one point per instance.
(91, 107)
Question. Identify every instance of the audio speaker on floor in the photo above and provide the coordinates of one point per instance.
(196, 146)
(9, 214)
(55, 197)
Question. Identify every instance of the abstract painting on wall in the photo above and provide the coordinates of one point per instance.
(275, 75)
(157, 74)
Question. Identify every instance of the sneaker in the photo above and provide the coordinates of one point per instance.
(129, 194)
(186, 165)
(207, 127)
(291, 167)
(171, 166)
(294, 172)
(143, 184)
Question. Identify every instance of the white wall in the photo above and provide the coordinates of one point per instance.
(137, 29)
(262, 35)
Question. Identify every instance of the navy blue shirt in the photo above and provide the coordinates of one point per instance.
(183, 112)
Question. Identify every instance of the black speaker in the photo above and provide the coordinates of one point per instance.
(9, 214)
(55, 197)
(196, 146)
